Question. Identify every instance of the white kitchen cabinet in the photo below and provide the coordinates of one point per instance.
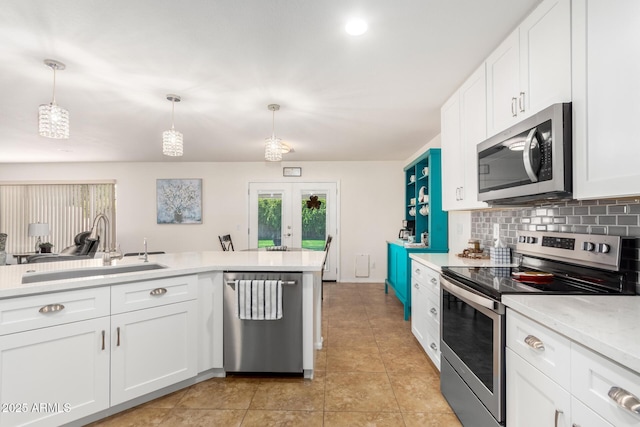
(531, 69)
(463, 126)
(55, 374)
(551, 374)
(594, 377)
(425, 309)
(606, 66)
(533, 399)
(210, 321)
(152, 349)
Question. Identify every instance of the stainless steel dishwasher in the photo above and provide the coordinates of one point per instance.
(264, 345)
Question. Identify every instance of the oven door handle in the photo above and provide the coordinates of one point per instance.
(468, 295)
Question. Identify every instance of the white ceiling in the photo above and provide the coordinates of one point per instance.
(372, 97)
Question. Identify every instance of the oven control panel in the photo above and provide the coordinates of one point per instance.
(593, 250)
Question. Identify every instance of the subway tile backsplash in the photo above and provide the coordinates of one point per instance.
(620, 217)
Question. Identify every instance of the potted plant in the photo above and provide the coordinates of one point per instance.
(45, 248)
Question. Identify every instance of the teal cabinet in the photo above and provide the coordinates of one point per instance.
(423, 204)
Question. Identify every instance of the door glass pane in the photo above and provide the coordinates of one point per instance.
(269, 219)
(314, 220)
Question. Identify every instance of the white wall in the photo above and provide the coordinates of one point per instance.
(371, 202)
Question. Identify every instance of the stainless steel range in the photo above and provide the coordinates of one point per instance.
(473, 317)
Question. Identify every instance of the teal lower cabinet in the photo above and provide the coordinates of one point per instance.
(399, 272)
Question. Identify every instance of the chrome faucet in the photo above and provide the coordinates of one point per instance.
(108, 252)
(146, 255)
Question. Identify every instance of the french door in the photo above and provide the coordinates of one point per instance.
(297, 215)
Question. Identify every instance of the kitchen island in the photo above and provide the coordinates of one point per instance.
(88, 347)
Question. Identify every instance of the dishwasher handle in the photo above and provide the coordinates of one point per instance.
(284, 282)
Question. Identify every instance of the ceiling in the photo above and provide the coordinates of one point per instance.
(372, 97)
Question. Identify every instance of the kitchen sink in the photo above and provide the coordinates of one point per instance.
(75, 273)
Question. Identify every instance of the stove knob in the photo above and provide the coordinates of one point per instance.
(531, 239)
(588, 246)
(521, 239)
(603, 248)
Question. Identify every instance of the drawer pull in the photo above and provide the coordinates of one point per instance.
(625, 400)
(158, 292)
(558, 412)
(433, 346)
(51, 308)
(434, 280)
(103, 339)
(534, 343)
(417, 271)
(433, 311)
(415, 285)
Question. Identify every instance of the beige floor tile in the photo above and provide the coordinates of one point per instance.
(135, 417)
(350, 337)
(363, 419)
(357, 359)
(220, 393)
(359, 391)
(169, 401)
(386, 338)
(419, 393)
(290, 394)
(416, 419)
(204, 418)
(408, 360)
(282, 419)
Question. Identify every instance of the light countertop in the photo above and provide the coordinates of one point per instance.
(177, 264)
(436, 261)
(606, 324)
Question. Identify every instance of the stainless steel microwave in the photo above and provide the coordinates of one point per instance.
(530, 161)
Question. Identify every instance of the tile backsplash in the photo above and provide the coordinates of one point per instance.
(620, 217)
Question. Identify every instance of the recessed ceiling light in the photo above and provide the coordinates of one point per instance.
(356, 27)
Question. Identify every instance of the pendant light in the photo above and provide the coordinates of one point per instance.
(273, 145)
(172, 139)
(53, 120)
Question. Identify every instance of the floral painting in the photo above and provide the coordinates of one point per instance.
(179, 201)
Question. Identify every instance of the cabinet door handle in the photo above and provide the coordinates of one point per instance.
(625, 400)
(514, 107)
(461, 193)
(158, 292)
(433, 346)
(51, 308)
(521, 102)
(534, 342)
(558, 412)
(103, 333)
(575, 425)
(118, 336)
(433, 311)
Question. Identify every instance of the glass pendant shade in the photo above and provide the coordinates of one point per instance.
(53, 120)
(172, 143)
(273, 149)
(172, 139)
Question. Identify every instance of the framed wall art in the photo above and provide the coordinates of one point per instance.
(179, 201)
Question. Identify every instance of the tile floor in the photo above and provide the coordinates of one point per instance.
(371, 372)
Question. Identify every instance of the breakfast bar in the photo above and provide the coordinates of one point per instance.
(96, 340)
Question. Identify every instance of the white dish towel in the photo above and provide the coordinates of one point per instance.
(259, 299)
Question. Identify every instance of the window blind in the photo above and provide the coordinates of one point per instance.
(68, 209)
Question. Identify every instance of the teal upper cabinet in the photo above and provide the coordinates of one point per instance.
(531, 69)
(423, 204)
(606, 76)
(424, 200)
